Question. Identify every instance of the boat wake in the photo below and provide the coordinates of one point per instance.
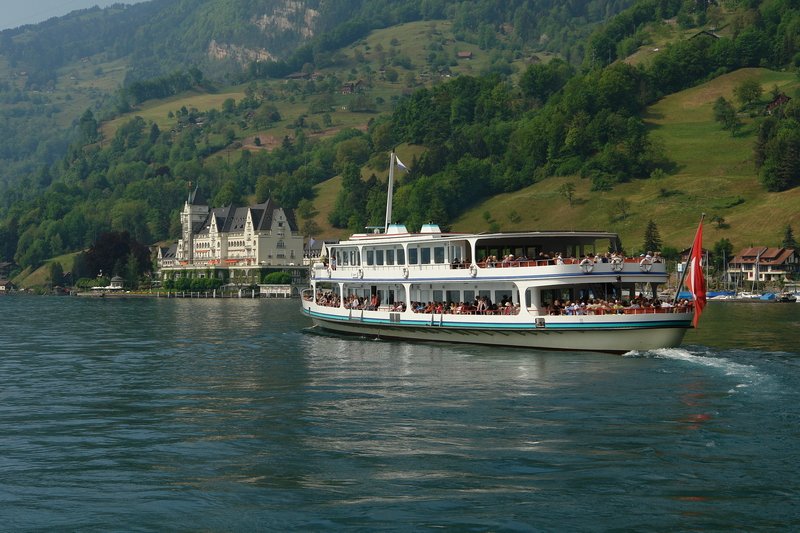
(747, 375)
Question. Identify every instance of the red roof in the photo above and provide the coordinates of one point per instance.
(764, 256)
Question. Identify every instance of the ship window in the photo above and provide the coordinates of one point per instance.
(453, 296)
(469, 296)
(401, 256)
(499, 294)
(437, 296)
(370, 257)
(345, 258)
(438, 255)
(413, 258)
(389, 257)
(378, 257)
(426, 256)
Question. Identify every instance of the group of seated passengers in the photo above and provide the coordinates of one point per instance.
(598, 306)
(459, 263)
(557, 258)
(479, 306)
(328, 299)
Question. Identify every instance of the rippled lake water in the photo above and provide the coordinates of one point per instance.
(235, 415)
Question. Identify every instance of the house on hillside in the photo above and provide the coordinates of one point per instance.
(707, 255)
(464, 55)
(776, 103)
(298, 76)
(764, 264)
(352, 87)
(6, 286)
(705, 33)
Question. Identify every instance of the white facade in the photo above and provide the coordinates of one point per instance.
(260, 235)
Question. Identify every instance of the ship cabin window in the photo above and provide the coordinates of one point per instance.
(437, 295)
(401, 256)
(469, 296)
(390, 256)
(425, 256)
(453, 296)
(456, 253)
(347, 256)
(438, 255)
(503, 293)
(379, 257)
(370, 257)
(413, 256)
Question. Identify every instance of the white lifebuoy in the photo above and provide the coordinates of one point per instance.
(405, 272)
(473, 270)
(587, 265)
(617, 265)
(646, 264)
(360, 273)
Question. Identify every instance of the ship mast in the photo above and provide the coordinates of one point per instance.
(389, 193)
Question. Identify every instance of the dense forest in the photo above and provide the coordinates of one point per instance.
(483, 135)
(164, 44)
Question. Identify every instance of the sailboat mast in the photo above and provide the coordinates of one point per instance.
(389, 193)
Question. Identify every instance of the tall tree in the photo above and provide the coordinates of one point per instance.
(788, 238)
(652, 239)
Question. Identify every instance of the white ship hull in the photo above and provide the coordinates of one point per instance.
(607, 333)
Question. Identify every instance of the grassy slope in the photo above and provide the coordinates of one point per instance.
(412, 40)
(713, 170)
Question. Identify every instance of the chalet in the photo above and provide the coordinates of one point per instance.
(298, 76)
(5, 286)
(707, 255)
(764, 264)
(776, 103)
(705, 33)
(352, 87)
(464, 55)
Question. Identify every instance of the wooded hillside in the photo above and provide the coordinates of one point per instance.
(471, 132)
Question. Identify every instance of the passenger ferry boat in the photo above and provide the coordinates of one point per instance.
(558, 290)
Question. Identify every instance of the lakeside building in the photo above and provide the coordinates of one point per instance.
(765, 264)
(238, 245)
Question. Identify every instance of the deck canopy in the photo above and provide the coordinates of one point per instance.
(531, 244)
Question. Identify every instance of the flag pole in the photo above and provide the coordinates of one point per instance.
(685, 270)
(389, 193)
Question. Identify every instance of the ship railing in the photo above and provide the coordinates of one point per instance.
(550, 262)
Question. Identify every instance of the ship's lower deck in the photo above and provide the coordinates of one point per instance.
(609, 333)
